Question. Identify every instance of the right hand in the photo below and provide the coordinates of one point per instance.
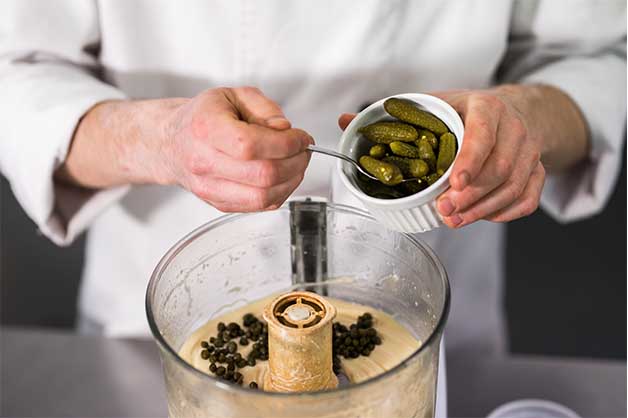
(234, 149)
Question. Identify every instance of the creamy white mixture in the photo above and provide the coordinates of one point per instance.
(397, 342)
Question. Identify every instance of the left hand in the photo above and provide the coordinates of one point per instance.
(497, 175)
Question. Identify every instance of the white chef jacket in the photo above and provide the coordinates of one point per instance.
(317, 60)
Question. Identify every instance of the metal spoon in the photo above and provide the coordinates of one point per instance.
(327, 151)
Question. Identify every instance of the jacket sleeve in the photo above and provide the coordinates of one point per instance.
(48, 80)
(578, 46)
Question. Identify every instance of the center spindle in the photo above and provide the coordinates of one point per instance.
(300, 343)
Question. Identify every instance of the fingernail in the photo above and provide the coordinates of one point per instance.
(308, 140)
(463, 179)
(279, 122)
(446, 207)
(456, 220)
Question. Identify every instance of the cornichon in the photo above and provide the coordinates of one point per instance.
(404, 150)
(408, 111)
(378, 151)
(380, 191)
(387, 132)
(429, 135)
(410, 167)
(426, 153)
(446, 153)
(387, 173)
(412, 187)
(431, 178)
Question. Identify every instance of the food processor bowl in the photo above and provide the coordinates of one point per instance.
(333, 250)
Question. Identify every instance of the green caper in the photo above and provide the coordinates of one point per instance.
(378, 151)
(232, 347)
(408, 111)
(253, 385)
(446, 153)
(404, 150)
(220, 371)
(204, 354)
(387, 132)
(212, 367)
(388, 174)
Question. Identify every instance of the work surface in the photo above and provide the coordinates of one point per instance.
(52, 373)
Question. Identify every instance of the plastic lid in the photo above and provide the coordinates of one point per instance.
(533, 408)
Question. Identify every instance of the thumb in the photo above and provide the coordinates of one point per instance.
(254, 107)
(345, 119)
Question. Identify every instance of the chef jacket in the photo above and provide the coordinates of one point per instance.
(316, 59)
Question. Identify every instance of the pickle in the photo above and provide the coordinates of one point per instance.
(410, 167)
(412, 187)
(378, 151)
(387, 173)
(404, 150)
(387, 132)
(431, 178)
(408, 111)
(446, 153)
(429, 135)
(426, 153)
(376, 189)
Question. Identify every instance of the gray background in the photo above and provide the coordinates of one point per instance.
(565, 290)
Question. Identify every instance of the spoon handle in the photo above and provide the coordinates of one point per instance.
(327, 151)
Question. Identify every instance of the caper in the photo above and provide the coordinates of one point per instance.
(220, 371)
(253, 385)
(237, 377)
(221, 326)
(232, 347)
(204, 354)
(204, 344)
(212, 367)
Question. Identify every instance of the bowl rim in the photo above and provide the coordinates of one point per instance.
(416, 199)
(190, 237)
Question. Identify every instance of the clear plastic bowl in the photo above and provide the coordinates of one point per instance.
(236, 259)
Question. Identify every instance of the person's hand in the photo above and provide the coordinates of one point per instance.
(234, 149)
(497, 175)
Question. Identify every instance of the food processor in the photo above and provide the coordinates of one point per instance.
(331, 250)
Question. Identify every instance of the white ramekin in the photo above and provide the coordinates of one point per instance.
(416, 213)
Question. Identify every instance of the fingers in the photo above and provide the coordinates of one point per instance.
(256, 108)
(527, 203)
(245, 125)
(502, 197)
(345, 119)
(259, 173)
(506, 163)
(481, 123)
(229, 196)
(244, 141)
